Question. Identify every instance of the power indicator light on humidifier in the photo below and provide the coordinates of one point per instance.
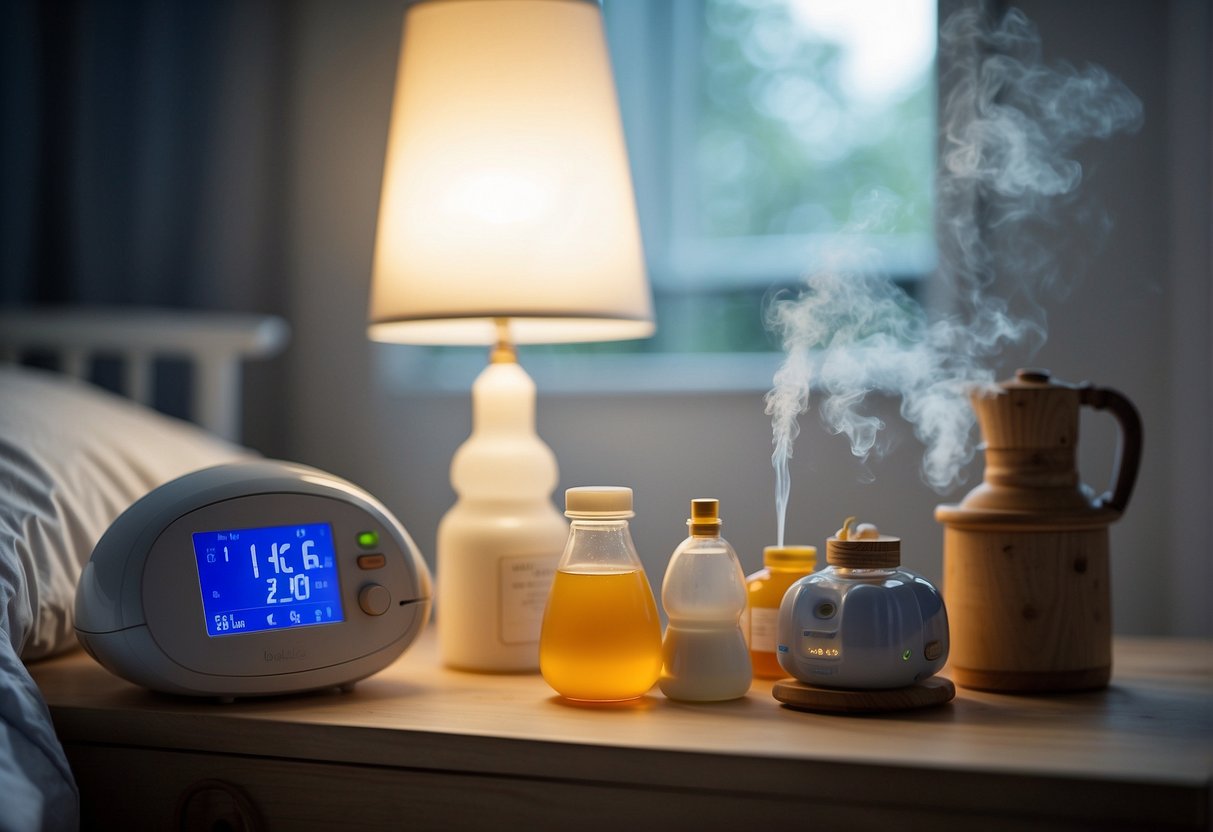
(368, 540)
(905, 655)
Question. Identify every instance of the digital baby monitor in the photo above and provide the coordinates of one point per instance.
(249, 579)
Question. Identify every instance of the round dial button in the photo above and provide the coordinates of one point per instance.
(374, 599)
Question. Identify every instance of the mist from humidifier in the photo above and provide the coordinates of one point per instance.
(1010, 124)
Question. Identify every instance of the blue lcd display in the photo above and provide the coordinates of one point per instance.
(271, 578)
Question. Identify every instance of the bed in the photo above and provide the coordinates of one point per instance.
(72, 457)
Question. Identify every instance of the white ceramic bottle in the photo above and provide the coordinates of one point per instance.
(499, 544)
(704, 654)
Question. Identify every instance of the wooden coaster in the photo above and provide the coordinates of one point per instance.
(934, 690)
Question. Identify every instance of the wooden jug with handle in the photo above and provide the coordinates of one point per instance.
(1026, 574)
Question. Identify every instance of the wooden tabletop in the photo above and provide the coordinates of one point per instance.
(1140, 752)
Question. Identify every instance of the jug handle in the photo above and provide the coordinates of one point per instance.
(1128, 449)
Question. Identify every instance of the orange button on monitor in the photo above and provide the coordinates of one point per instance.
(371, 561)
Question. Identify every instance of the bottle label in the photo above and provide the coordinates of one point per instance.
(764, 626)
(525, 583)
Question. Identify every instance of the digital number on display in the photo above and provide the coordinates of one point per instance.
(269, 578)
(824, 652)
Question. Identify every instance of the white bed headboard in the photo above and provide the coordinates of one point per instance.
(214, 343)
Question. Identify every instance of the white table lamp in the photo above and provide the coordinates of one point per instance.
(507, 216)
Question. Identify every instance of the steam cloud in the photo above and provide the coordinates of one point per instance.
(1009, 126)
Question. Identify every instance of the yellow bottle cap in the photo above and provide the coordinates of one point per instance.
(705, 517)
(790, 557)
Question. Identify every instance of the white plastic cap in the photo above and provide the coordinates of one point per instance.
(598, 502)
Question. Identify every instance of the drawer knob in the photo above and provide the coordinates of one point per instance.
(215, 806)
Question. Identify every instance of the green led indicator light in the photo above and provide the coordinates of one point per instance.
(905, 656)
(368, 540)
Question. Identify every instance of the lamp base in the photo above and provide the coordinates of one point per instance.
(499, 544)
(496, 563)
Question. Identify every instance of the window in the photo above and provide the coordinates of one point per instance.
(756, 129)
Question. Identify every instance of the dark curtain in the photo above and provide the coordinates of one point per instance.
(141, 153)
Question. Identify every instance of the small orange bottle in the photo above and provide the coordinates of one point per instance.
(782, 567)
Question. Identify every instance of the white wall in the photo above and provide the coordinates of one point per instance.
(1139, 322)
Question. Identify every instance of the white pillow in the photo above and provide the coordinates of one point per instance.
(72, 458)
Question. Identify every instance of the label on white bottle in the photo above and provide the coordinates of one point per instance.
(764, 626)
(525, 583)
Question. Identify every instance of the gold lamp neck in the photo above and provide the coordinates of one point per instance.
(503, 351)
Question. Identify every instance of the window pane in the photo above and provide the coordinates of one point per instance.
(804, 104)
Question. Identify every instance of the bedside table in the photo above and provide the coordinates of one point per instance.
(417, 746)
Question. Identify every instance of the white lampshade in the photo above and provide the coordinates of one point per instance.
(506, 189)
